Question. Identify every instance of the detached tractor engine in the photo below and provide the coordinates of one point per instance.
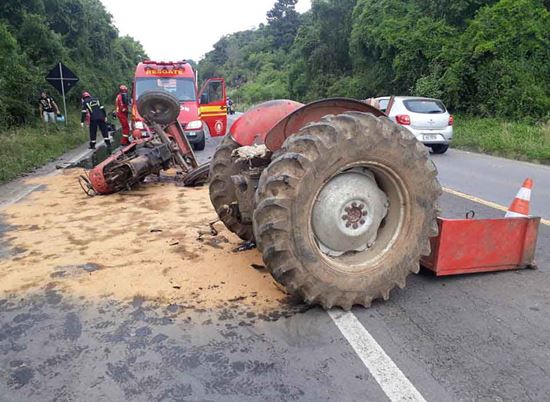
(340, 200)
(166, 147)
(127, 168)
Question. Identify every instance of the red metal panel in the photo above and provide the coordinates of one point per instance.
(481, 245)
(252, 127)
(313, 112)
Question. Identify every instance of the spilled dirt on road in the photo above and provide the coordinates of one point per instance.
(143, 243)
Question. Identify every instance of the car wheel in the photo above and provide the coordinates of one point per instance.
(199, 146)
(439, 148)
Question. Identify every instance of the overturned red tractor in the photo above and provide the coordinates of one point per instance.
(339, 199)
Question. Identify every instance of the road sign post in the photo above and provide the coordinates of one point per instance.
(63, 93)
(63, 80)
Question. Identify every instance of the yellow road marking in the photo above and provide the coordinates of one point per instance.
(486, 203)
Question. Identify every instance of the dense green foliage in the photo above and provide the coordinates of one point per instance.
(36, 34)
(484, 57)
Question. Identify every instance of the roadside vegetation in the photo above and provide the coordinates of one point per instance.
(515, 140)
(34, 36)
(484, 58)
(487, 58)
(31, 146)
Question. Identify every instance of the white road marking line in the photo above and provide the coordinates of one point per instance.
(392, 380)
(485, 202)
(79, 157)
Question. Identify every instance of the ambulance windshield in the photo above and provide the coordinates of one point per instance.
(181, 88)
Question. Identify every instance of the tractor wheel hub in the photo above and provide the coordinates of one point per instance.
(348, 212)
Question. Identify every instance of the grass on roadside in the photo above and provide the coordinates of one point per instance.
(25, 148)
(516, 140)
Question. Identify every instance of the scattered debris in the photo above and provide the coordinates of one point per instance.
(155, 230)
(211, 232)
(237, 299)
(249, 152)
(247, 245)
(217, 241)
(257, 266)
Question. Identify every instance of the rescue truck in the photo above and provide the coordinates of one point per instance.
(197, 109)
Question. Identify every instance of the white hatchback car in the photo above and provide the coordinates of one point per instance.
(427, 118)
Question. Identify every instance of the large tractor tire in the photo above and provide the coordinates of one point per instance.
(158, 106)
(346, 209)
(222, 189)
(197, 177)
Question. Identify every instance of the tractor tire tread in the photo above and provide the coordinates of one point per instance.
(222, 191)
(304, 153)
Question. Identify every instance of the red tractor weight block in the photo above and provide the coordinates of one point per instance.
(482, 245)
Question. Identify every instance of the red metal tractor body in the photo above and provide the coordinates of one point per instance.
(166, 146)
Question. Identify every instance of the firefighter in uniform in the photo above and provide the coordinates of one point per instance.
(122, 113)
(98, 118)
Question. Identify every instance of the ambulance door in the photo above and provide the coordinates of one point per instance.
(212, 106)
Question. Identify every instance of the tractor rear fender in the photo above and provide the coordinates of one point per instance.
(312, 112)
(252, 127)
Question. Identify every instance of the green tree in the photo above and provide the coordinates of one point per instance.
(283, 21)
(16, 82)
(36, 34)
(321, 49)
(488, 57)
(501, 64)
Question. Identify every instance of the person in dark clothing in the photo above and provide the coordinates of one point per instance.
(98, 118)
(47, 107)
(229, 104)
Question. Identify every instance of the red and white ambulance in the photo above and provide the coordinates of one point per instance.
(197, 109)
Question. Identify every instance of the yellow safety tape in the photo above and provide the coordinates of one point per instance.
(484, 202)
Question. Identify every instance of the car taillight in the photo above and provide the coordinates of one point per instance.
(451, 120)
(403, 119)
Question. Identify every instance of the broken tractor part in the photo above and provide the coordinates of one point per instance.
(167, 147)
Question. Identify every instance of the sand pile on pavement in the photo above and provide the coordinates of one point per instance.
(141, 243)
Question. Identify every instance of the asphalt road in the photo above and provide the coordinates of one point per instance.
(494, 179)
(482, 337)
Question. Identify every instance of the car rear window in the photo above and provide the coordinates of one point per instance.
(383, 104)
(424, 106)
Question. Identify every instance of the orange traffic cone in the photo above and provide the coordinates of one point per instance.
(520, 205)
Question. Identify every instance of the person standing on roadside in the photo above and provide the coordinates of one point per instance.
(121, 111)
(98, 118)
(48, 108)
(229, 105)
